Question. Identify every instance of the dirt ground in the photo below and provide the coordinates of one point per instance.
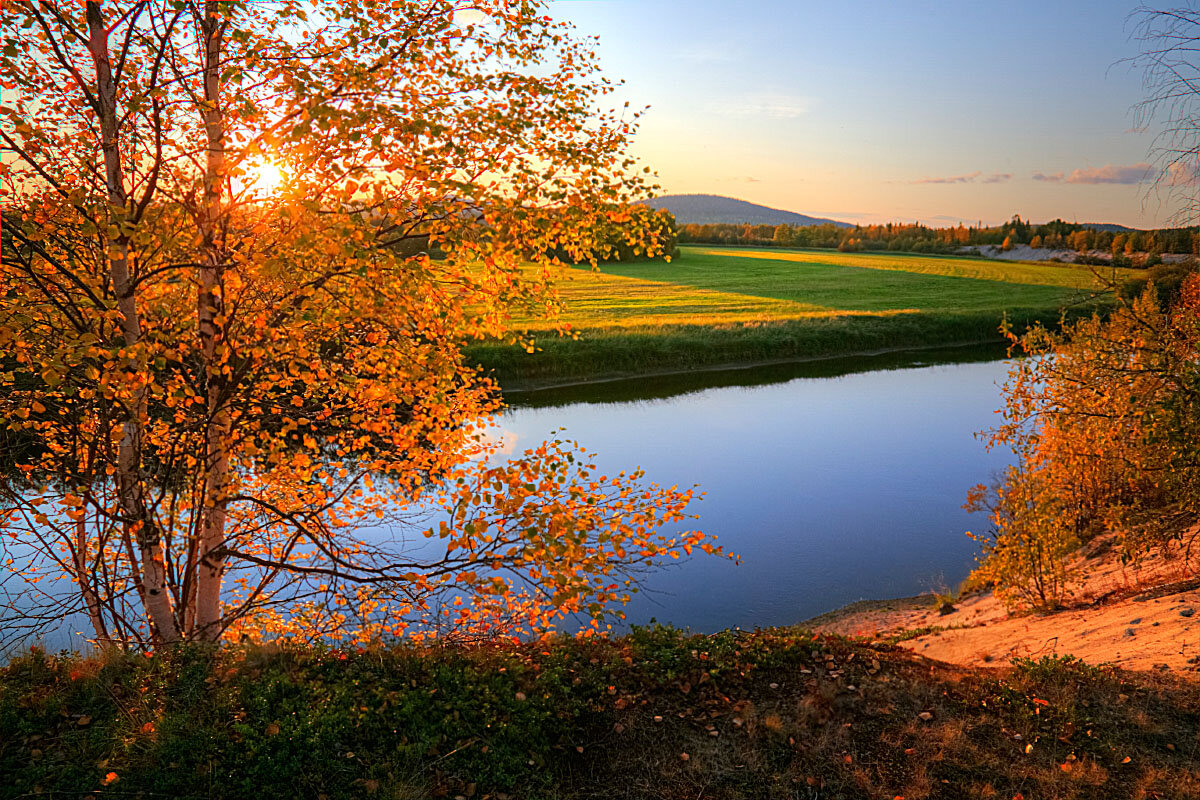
(1136, 616)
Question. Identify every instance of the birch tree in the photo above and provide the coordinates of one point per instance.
(242, 245)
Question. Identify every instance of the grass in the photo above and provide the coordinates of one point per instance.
(715, 306)
(657, 713)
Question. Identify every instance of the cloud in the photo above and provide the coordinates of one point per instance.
(706, 53)
(1180, 174)
(970, 177)
(1109, 173)
(765, 104)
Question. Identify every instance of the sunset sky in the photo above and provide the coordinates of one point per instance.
(888, 110)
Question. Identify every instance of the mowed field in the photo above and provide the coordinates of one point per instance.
(717, 306)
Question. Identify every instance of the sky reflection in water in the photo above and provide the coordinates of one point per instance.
(832, 489)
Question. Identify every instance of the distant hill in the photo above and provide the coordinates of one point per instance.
(705, 209)
(1107, 226)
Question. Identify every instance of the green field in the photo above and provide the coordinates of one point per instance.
(728, 305)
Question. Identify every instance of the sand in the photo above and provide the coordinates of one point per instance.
(1136, 616)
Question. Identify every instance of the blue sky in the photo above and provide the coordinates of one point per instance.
(875, 111)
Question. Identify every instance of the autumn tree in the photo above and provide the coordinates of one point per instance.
(242, 244)
(1104, 418)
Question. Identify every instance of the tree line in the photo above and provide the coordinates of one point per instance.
(918, 238)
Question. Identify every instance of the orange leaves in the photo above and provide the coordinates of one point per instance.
(285, 366)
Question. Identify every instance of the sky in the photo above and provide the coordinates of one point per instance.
(888, 110)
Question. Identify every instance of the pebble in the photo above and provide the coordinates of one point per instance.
(1187, 612)
(1130, 632)
(1135, 621)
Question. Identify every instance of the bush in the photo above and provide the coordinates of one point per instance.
(1027, 554)
(1167, 280)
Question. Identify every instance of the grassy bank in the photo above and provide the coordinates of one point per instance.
(654, 714)
(717, 306)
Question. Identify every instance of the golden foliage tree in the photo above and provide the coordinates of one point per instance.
(242, 244)
(1105, 421)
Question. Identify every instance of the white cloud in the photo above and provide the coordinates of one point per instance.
(776, 105)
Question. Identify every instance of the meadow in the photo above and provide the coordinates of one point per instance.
(717, 306)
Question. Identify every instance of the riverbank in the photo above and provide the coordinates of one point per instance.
(722, 307)
(654, 714)
(1137, 616)
(600, 355)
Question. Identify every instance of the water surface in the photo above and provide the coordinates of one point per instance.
(832, 487)
(833, 484)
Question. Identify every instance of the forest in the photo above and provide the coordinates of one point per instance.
(918, 238)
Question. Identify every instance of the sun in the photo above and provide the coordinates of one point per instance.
(266, 178)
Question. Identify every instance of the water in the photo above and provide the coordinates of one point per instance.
(832, 487)
(834, 481)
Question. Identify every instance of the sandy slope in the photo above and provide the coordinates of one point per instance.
(1137, 617)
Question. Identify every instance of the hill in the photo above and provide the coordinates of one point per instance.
(706, 209)
(1110, 227)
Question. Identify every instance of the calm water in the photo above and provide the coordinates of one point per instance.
(834, 480)
(832, 488)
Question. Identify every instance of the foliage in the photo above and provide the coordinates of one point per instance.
(242, 245)
(918, 238)
(1105, 421)
(1028, 556)
(636, 233)
(1167, 280)
(774, 713)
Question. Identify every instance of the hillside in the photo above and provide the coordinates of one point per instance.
(1110, 227)
(711, 208)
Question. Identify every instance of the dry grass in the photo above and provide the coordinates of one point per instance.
(657, 714)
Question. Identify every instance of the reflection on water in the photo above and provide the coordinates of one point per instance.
(831, 488)
(673, 384)
(832, 484)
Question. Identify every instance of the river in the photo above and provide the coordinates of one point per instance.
(833, 480)
(831, 483)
